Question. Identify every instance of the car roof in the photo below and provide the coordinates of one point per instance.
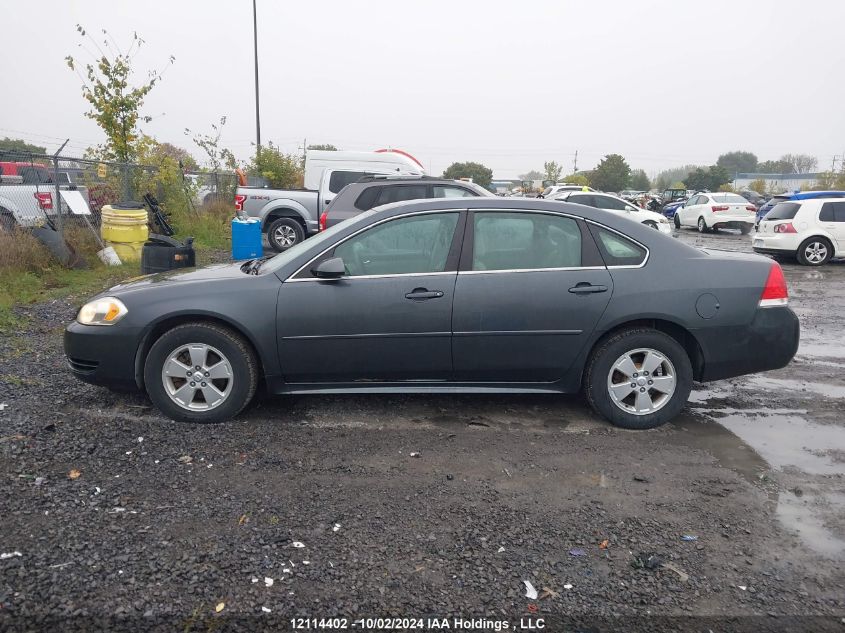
(809, 195)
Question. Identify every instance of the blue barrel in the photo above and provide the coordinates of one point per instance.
(246, 238)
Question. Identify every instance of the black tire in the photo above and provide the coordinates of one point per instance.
(817, 244)
(283, 233)
(232, 347)
(7, 221)
(745, 229)
(604, 357)
(702, 225)
(677, 220)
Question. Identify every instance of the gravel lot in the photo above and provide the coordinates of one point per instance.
(428, 506)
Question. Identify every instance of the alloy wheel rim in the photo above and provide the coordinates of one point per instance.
(815, 252)
(197, 377)
(641, 381)
(285, 236)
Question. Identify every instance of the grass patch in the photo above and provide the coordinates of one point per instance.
(209, 225)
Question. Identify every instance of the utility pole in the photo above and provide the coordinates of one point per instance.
(255, 39)
(575, 163)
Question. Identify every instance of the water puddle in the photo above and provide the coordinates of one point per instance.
(767, 383)
(815, 350)
(751, 442)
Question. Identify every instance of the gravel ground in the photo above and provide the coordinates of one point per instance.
(427, 506)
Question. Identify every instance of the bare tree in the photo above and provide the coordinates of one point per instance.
(800, 163)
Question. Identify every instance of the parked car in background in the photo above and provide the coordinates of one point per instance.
(798, 195)
(713, 211)
(374, 191)
(27, 195)
(288, 216)
(496, 295)
(753, 197)
(811, 229)
(671, 195)
(669, 210)
(615, 204)
(555, 190)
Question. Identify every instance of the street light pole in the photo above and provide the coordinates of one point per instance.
(255, 39)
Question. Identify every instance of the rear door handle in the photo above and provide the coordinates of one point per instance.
(586, 288)
(421, 294)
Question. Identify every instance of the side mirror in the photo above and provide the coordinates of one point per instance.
(333, 268)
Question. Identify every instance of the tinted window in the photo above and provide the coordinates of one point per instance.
(520, 241)
(367, 200)
(732, 198)
(34, 175)
(580, 198)
(339, 179)
(400, 193)
(417, 244)
(832, 212)
(617, 250)
(606, 202)
(445, 191)
(783, 211)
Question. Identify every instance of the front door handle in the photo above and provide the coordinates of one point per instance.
(421, 294)
(586, 288)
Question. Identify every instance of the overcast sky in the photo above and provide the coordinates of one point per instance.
(508, 84)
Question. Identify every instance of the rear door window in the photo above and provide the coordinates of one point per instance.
(832, 212)
(783, 211)
(367, 199)
(398, 193)
(580, 198)
(524, 241)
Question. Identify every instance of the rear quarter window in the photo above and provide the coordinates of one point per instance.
(616, 249)
(367, 199)
(783, 211)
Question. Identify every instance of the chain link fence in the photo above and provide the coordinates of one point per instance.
(42, 190)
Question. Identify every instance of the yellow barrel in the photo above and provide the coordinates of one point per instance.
(124, 227)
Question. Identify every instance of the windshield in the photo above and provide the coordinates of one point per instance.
(728, 197)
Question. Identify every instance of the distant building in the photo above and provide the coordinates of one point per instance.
(778, 182)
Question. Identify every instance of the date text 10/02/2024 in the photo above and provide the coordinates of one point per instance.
(421, 624)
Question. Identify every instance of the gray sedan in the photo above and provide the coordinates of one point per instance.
(473, 295)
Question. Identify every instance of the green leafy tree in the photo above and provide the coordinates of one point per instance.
(666, 178)
(532, 175)
(16, 149)
(711, 178)
(738, 162)
(611, 174)
(282, 171)
(209, 143)
(179, 154)
(326, 147)
(758, 185)
(553, 171)
(639, 180)
(480, 174)
(577, 179)
(107, 86)
(774, 167)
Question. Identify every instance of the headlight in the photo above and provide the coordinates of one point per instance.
(105, 311)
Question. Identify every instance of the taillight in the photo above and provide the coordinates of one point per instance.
(45, 200)
(774, 292)
(720, 207)
(751, 208)
(239, 202)
(323, 220)
(785, 228)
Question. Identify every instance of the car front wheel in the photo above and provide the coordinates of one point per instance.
(815, 252)
(201, 372)
(702, 225)
(638, 379)
(677, 221)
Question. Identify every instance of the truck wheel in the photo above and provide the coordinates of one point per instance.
(638, 379)
(7, 221)
(284, 233)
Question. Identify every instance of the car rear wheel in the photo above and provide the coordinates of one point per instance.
(745, 229)
(814, 251)
(284, 233)
(201, 372)
(638, 379)
(702, 225)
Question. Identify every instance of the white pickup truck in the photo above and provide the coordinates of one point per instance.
(27, 197)
(288, 216)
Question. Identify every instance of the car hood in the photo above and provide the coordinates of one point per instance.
(184, 275)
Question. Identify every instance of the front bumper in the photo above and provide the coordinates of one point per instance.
(768, 342)
(102, 355)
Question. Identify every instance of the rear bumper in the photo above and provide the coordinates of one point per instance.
(102, 355)
(733, 223)
(769, 342)
(774, 244)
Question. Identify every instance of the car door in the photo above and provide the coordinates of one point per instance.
(832, 218)
(530, 290)
(688, 211)
(388, 318)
